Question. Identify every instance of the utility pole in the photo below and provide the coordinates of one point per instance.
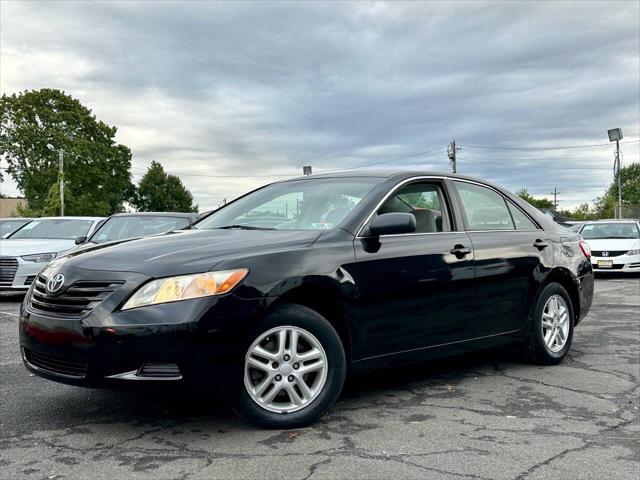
(555, 197)
(615, 135)
(451, 153)
(619, 175)
(60, 174)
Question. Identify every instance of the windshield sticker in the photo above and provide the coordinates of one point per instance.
(321, 226)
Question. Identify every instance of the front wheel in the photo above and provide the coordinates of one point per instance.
(550, 326)
(294, 369)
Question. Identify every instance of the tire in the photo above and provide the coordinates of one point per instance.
(323, 386)
(538, 349)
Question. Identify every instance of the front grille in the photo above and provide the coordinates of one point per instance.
(8, 268)
(77, 300)
(611, 253)
(70, 367)
(30, 279)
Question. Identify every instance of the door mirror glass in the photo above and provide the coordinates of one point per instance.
(80, 240)
(393, 224)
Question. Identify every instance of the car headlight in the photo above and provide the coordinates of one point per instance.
(183, 287)
(39, 257)
(634, 252)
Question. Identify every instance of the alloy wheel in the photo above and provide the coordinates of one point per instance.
(285, 369)
(555, 323)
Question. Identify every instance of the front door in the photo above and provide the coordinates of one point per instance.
(415, 290)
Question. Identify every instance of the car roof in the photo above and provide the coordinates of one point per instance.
(615, 220)
(398, 174)
(95, 219)
(370, 173)
(155, 214)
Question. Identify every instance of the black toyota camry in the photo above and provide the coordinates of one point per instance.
(275, 297)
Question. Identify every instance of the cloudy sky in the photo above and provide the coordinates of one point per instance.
(232, 95)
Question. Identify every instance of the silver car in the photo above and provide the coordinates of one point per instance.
(28, 250)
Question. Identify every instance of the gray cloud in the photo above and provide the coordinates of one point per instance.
(243, 88)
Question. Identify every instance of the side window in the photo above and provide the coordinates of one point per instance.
(521, 220)
(425, 202)
(485, 209)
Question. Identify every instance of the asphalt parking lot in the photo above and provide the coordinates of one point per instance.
(481, 416)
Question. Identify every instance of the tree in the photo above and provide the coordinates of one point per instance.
(97, 174)
(606, 205)
(583, 212)
(159, 191)
(540, 203)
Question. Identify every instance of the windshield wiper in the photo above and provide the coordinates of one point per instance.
(244, 227)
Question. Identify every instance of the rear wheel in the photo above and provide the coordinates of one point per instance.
(293, 371)
(550, 326)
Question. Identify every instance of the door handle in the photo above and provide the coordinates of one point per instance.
(540, 244)
(460, 251)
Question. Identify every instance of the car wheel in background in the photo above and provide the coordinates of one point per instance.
(294, 369)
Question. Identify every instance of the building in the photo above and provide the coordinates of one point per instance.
(8, 205)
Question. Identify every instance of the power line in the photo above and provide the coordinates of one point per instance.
(481, 162)
(544, 148)
(224, 176)
(403, 157)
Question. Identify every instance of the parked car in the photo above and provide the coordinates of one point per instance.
(28, 250)
(10, 225)
(364, 270)
(124, 226)
(615, 245)
(575, 226)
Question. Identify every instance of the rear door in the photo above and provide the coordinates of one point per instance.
(511, 252)
(416, 290)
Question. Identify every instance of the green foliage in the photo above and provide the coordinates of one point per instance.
(540, 203)
(582, 212)
(422, 199)
(97, 173)
(159, 191)
(606, 205)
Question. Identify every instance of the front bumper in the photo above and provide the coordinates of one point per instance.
(197, 341)
(25, 273)
(619, 264)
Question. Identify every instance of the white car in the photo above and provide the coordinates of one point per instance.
(28, 250)
(10, 225)
(615, 245)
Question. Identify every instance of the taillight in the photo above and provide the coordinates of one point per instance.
(584, 246)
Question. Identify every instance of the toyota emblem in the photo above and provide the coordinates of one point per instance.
(55, 283)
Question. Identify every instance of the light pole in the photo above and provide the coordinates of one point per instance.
(615, 135)
(60, 174)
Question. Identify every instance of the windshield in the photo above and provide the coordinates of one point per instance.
(309, 204)
(119, 228)
(610, 230)
(63, 229)
(8, 226)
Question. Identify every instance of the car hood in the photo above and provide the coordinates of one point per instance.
(27, 246)
(613, 244)
(183, 252)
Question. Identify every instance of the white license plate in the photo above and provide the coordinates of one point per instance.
(605, 263)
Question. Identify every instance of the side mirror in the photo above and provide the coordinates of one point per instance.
(81, 240)
(393, 223)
